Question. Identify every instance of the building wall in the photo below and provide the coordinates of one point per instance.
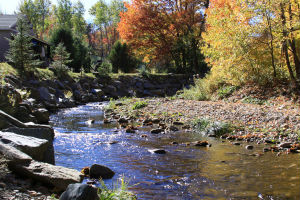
(4, 45)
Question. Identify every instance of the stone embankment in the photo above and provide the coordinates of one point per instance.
(30, 101)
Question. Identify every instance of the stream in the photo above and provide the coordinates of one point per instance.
(223, 171)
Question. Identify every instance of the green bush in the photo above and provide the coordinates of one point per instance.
(139, 105)
(253, 100)
(143, 71)
(198, 92)
(74, 45)
(201, 124)
(119, 191)
(105, 68)
(121, 59)
(226, 91)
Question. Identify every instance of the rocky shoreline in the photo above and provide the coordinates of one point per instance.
(26, 146)
(278, 127)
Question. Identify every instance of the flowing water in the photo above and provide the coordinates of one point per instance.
(223, 171)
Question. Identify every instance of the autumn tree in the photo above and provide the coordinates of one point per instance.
(166, 31)
(252, 40)
(106, 19)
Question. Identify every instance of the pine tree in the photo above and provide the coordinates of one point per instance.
(21, 53)
(121, 59)
(61, 59)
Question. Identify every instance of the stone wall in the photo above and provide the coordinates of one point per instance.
(50, 95)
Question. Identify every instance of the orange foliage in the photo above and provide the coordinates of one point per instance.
(153, 27)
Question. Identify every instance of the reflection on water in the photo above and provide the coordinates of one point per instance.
(223, 171)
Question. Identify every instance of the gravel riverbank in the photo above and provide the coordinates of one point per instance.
(265, 123)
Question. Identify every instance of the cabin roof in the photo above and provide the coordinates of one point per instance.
(8, 22)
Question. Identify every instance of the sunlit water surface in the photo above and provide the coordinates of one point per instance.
(223, 171)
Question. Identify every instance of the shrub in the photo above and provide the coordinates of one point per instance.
(211, 127)
(105, 68)
(74, 45)
(201, 124)
(139, 105)
(252, 100)
(198, 92)
(226, 91)
(121, 59)
(61, 59)
(143, 71)
(118, 191)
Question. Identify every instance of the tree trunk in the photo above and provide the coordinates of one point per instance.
(284, 43)
(195, 58)
(293, 45)
(271, 43)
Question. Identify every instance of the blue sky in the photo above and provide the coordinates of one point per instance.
(9, 6)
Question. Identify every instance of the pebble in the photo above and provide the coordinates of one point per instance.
(122, 121)
(249, 147)
(173, 128)
(266, 149)
(178, 123)
(285, 145)
(158, 151)
(156, 131)
(211, 135)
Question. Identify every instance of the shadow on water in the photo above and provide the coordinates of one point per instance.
(222, 171)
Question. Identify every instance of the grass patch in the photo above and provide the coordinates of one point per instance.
(111, 105)
(5, 70)
(44, 74)
(201, 124)
(252, 100)
(139, 105)
(77, 76)
(210, 127)
(226, 91)
(198, 92)
(119, 191)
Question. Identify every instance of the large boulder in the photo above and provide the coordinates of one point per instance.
(51, 175)
(80, 191)
(32, 146)
(109, 89)
(100, 171)
(14, 155)
(97, 92)
(42, 132)
(44, 94)
(42, 115)
(23, 114)
(7, 121)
